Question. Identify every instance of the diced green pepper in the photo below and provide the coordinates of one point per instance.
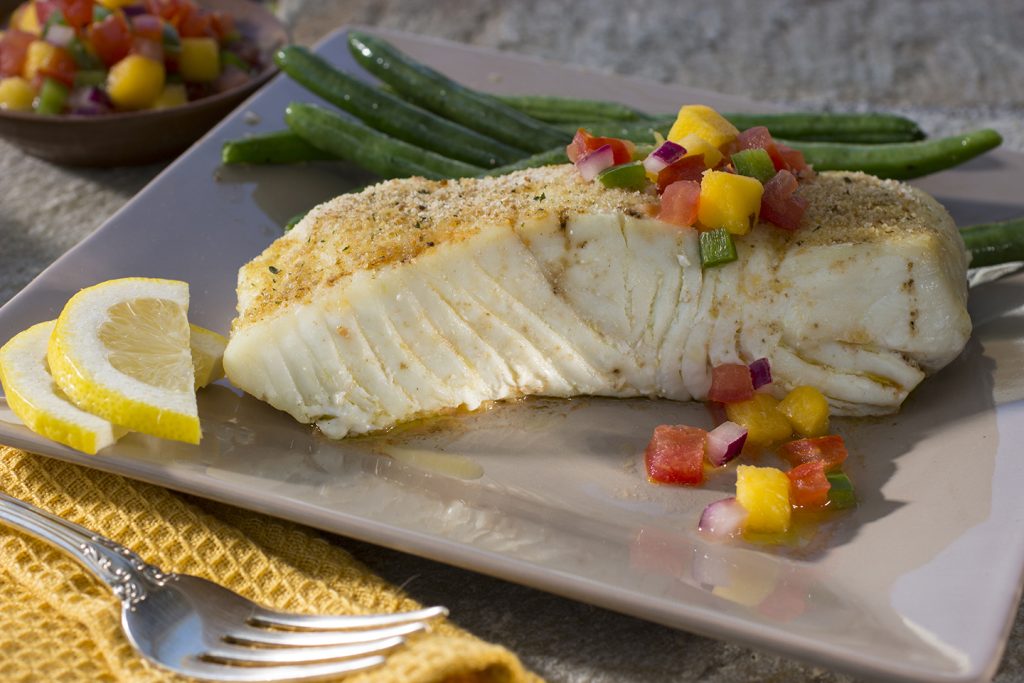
(628, 176)
(227, 57)
(87, 78)
(716, 248)
(170, 38)
(754, 163)
(52, 96)
(99, 12)
(83, 57)
(840, 494)
(56, 17)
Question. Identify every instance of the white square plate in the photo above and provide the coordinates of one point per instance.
(920, 582)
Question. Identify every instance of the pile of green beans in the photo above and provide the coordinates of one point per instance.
(420, 122)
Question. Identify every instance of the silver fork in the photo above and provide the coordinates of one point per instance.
(201, 629)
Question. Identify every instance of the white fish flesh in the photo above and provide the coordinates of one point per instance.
(417, 297)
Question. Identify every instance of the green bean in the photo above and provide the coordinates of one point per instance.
(852, 128)
(434, 91)
(994, 243)
(554, 109)
(374, 151)
(899, 160)
(279, 147)
(390, 114)
(833, 127)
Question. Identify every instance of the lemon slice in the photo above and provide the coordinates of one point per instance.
(35, 398)
(207, 355)
(120, 350)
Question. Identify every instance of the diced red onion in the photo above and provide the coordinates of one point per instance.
(724, 443)
(89, 101)
(589, 165)
(60, 35)
(666, 154)
(134, 10)
(760, 372)
(723, 519)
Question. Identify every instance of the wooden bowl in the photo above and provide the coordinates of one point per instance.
(142, 137)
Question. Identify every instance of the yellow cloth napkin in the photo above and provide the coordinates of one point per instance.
(59, 623)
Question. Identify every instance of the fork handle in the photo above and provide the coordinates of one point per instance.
(121, 569)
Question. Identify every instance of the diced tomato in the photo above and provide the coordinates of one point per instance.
(169, 10)
(584, 143)
(780, 205)
(730, 383)
(679, 203)
(808, 486)
(687, 168)
(194, 23)
(60, 66)
(758, 137)
(675, 455)
(793, 160)
(148, 26)
(223, 25)
(13, 48)
(111, 38)
(829, 450)
(78, 13)
(44, 8)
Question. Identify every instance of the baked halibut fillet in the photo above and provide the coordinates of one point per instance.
(414, 297)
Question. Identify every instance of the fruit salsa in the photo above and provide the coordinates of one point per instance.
(89, 57)
(723, 182)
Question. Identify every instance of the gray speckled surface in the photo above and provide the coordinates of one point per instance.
(950, 64)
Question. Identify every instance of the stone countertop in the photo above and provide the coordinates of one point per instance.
(949, 64)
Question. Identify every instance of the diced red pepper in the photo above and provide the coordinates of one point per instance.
(730, 383)
(60, 66)
(779, 205)
(687, 168)
(679, 203)
(675, 455)
(13, 49)
(808, 485)
(223, 25)
(584, 143)
(78, 13)
(111, 38)
(168, 10)
(194, 23)
(829, 450)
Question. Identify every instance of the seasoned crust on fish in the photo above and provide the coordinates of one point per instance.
(395, 221)
(415, 297)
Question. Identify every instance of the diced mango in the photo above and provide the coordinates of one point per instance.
(135, 82)
(764, 493)
(760, 415)
(694, 144)
(39, 54)
(705, 123)
(807, 410)
(729, 201)
(116, 4)
(16, 94)
(200, 60)
(26, 19)
(173, 95)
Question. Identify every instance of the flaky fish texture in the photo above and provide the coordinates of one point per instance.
(416, 297)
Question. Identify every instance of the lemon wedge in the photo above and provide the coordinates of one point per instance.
(207, 355)
(34, 397)
(120, 350)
